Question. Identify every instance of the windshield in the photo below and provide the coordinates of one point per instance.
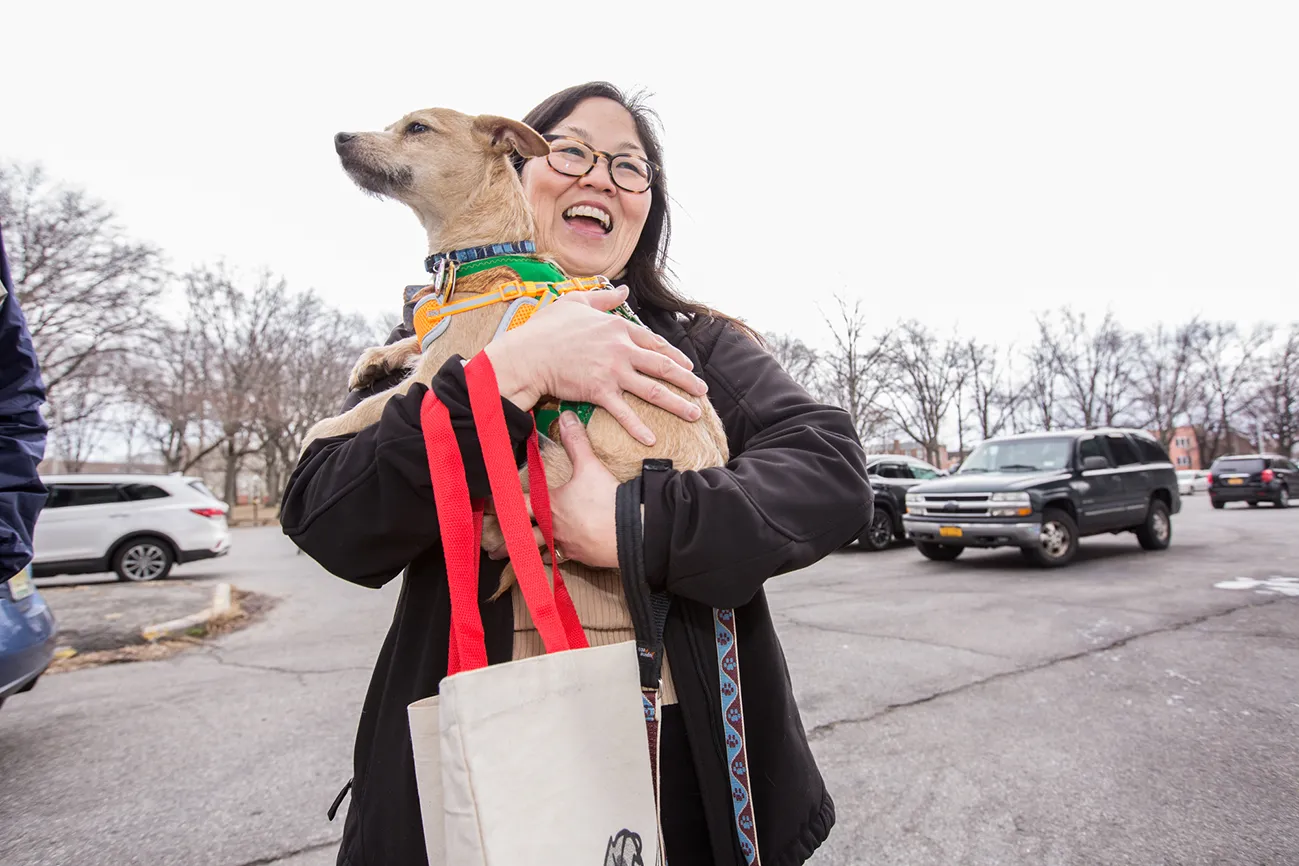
(1020, 455)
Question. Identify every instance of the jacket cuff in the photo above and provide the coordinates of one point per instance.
(451, 388)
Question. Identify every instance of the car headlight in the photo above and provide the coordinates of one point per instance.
(1021, 496)
(1011, 505)
(915, 499)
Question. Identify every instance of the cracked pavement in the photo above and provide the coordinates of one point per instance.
(1120, 711)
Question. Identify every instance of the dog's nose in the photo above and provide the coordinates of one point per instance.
(343, 138)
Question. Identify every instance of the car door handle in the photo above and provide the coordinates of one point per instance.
(119, 515)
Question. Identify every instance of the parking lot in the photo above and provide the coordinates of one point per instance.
(1125, 710)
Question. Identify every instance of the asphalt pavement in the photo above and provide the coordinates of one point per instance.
(1134, 708)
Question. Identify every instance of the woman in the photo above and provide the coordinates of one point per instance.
(794, 491)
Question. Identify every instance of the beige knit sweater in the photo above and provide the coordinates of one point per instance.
(601, 608)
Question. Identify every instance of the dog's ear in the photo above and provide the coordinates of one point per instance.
(510, 135)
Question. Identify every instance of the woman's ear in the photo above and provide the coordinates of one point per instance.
(508, 135)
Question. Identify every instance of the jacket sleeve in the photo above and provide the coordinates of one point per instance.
(362, 505)
(794, 490)
(22, 433)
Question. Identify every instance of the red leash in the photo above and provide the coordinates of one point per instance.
(461, 523)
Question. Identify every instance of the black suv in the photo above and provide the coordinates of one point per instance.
(891, 476)
(1041, 492)
(1253, 478)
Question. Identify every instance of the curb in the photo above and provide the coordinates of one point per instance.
(221, 604)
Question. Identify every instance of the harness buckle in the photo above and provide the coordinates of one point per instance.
(511, 290)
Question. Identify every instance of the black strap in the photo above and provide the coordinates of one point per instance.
(649, 610)
(333, 810)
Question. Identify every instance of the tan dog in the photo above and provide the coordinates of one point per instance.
(453, 171)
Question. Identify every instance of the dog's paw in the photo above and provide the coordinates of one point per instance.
(370, 367)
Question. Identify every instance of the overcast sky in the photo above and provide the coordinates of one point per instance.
(969, 164)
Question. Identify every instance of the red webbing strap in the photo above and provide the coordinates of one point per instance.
(507, 493)
(540, 496)
(460, 523)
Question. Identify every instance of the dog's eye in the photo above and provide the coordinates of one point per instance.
(416, 127)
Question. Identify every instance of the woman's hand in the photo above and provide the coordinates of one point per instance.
(574, 350)
(584, 509)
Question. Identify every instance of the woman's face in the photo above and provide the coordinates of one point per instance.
(582, 245)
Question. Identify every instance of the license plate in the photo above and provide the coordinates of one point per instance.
(1235, 480)
(950, 531)
(20, 585)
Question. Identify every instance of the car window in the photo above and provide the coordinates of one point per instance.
(893, 470)
(203, 488)
(1125, 453)
(1289, 465)
(69, 495)
(923, 472)
(1244, 465)
(136, 492)
(1093, 446)
(1149, 450)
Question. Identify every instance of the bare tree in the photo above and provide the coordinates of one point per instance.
(1278, 398)
(1228, 358)
(167, 379)
(247, 337)
(856, 368)
(993, 396)
(799, 360)
(87, 291)
(1165, 377)
(929, 375)
(306, 387)
(1040, 400)
(1091, 366)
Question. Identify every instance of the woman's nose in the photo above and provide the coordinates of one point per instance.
(598, 177)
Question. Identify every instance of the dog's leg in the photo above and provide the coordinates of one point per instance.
(377, 362)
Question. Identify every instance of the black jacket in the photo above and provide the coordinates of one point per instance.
(794, 491)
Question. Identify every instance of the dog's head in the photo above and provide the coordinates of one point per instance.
(436, 160)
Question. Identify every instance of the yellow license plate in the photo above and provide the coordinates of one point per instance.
(950, 531)
(1235, 480)
(20, 585)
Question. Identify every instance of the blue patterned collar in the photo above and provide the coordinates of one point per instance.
(473, 254)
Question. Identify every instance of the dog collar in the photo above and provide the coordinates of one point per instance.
(473, 254)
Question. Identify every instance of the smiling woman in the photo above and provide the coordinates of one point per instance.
(794, 490)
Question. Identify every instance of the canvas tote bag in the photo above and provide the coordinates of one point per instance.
(543, 760)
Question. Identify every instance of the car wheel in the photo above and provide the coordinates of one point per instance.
(1217, 504)
(879, 534)
(143, 559)
(1058, 542)
(1157, 532)
(939, 552)
(1283, 498)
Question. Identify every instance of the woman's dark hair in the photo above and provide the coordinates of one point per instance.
(647, 269)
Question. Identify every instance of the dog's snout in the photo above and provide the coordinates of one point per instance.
(343, 138)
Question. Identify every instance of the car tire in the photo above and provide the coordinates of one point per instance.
(1059, 542)
(939, 552)
(1283, 498)
(143, 559)
(878, 534)
(1217, 504)
(1157, 532)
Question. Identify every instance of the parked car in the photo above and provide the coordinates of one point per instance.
(1253, 478)
(138, 526)
(1041, 492)
(1190, 481)
(891, 476)
(27, 635)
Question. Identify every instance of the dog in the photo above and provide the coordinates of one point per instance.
(453, 170)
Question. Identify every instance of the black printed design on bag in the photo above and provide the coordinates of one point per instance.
(624, 850)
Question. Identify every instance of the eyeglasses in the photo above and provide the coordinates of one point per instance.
(575, 158)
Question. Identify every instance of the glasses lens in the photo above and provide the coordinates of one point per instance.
(632, 173)
(570, 157)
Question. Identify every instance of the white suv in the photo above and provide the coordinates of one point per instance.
(136, 525)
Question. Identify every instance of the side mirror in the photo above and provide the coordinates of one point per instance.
(1090, 463)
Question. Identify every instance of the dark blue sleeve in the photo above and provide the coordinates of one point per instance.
(22, 431)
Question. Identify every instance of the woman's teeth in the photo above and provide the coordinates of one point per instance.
(598, 214)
